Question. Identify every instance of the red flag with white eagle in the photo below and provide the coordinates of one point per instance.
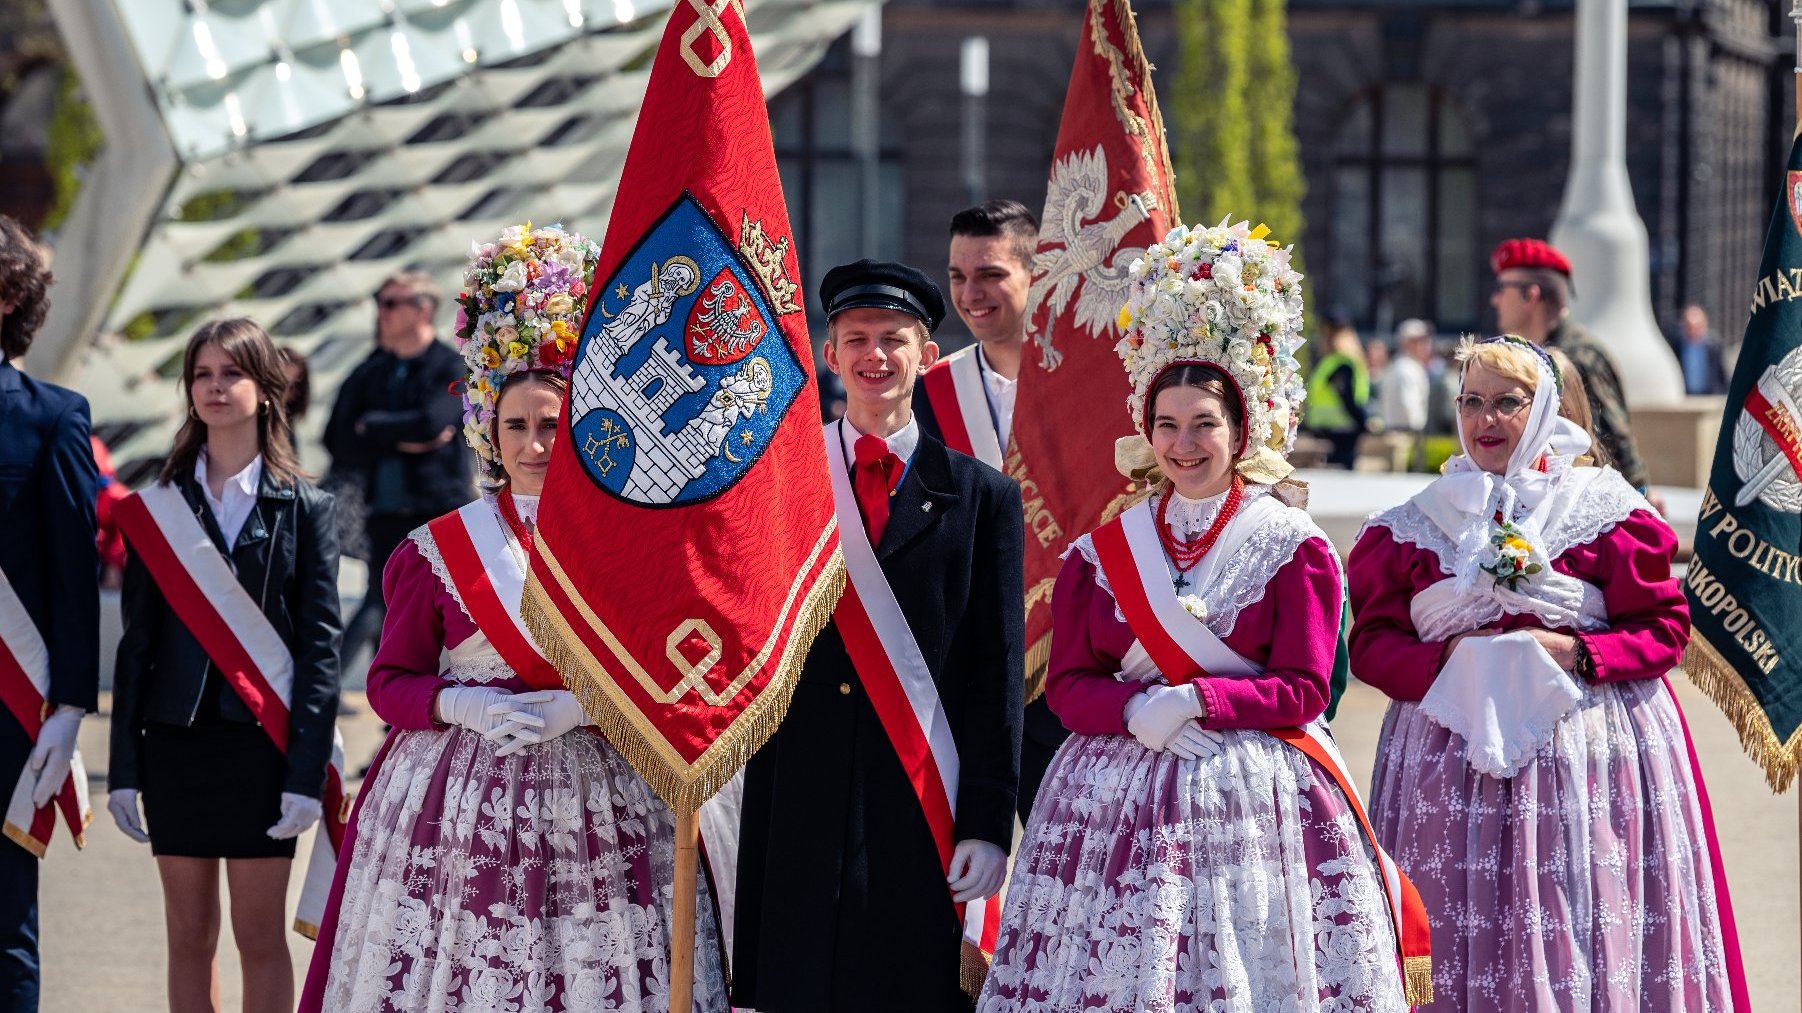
(1111, 194)
(687, 549)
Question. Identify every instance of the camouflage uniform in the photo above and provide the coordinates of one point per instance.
(1607, 403)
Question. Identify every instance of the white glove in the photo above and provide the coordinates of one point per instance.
(1193, 742)
(469, 707)
(298, 813)
(51, 755)
(977, 868)
(531, 718)
(123, 804)
(1156, 720)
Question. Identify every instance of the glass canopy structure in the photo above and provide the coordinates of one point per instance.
(277, 159)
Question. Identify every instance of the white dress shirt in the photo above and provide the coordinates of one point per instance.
(1405, 391)
(902, 444)
(1001, 392)
(233, 508)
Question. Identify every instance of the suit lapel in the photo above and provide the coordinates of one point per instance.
(12, 403)
(925, 496)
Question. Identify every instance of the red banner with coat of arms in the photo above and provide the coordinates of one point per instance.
(687, 551)
(1111, 194)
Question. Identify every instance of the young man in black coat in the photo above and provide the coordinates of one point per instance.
(843, 903)
(47, 498)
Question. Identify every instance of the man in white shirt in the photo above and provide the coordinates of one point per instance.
(1405, 384)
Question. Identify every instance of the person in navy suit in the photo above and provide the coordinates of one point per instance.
(47, 495)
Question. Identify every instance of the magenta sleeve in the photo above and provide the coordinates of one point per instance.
(1386, 652)
(1648, 616)
(1298, 618)
(1079, 684)
(403, 678)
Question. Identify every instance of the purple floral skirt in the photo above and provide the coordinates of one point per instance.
(1147, 882)
(1582, 883)
(540, 881)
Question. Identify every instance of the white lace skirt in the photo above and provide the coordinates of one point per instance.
(1237, 884)
(536, 882)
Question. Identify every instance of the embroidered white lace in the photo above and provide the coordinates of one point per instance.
(474, 660)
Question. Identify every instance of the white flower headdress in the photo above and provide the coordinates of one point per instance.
(1228, 298)
(521, 309)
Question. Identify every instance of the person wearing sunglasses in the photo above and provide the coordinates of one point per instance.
(391, 430)
(1534, 776)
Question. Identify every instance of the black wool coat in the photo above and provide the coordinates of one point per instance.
(842, 903)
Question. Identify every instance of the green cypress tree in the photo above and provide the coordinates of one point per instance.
(1275, 156)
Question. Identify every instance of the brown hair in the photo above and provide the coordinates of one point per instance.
(24, 285)
(1573, 404)
(248, 345)
(300, 388)
(1209, 380)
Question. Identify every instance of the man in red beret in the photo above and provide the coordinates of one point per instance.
(1532, 299)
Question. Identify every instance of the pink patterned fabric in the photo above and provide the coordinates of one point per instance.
(470, 882)
(1585, 882)
(1239, 882)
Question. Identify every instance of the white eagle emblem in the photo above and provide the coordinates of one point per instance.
(1079, 255)
(1767, 439)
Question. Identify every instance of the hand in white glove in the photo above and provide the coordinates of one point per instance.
(51, 755)
(470, 707)
(977, 868)
(531, 718)
(1193, 742)
(123, 804)
(298, 813)
(1156, 720)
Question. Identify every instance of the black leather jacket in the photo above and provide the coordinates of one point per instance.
(286, 556)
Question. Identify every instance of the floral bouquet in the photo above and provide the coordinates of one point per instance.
(1515, 557)
(521, 309)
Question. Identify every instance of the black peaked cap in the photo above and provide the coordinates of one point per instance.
(876, 284)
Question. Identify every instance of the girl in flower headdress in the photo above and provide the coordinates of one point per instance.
(1534, 771)
(1196, 844)
(503, 856)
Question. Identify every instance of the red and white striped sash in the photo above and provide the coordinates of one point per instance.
(229, 624)
(478, 554)
(893, 671)
(25, 689)
(961, 405)
(1184, 649)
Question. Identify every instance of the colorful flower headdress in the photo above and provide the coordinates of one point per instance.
(521, 309)
(1224, 297)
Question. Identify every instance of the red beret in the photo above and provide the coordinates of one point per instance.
(1528, 253)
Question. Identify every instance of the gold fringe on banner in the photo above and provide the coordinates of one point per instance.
(1714, 676)
(683, 786)
(1038, 660)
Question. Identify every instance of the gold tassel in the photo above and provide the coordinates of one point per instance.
(1715, 677)
(1038, 659)
(307, 929)
(1417, 980)
(684, 788)
(973, 969)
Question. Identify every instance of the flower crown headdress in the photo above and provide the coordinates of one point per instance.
(521, 309)
(1228, 298)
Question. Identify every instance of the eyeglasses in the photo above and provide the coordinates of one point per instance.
(390, 302)
(1505, 407)
(1522, 285)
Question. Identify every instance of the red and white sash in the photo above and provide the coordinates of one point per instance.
(894, 674)
(1184, 649)
(229, 624)
(479, 555)
(25, 689)
(961, 405)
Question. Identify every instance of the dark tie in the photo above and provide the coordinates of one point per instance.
(878, 473)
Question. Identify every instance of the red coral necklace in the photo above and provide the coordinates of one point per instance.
(1185, 554)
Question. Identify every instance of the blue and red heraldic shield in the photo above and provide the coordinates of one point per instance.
(1745, 583)
(1110, 195)
(687, 550)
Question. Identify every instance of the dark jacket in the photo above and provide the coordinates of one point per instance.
(415, 410)
(47, 497)
(1607, 401)
(286, 557)
(842, 902)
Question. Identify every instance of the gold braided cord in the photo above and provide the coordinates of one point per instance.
(1129, 30)
(1714, 676)
(683, 786)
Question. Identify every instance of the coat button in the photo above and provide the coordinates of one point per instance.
(844, 688)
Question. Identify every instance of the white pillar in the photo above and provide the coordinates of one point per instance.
(1598, 226)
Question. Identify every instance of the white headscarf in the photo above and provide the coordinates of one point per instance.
(1464, 501)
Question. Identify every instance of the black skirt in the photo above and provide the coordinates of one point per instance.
(213, 791)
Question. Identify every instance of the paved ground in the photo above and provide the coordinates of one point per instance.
(103, 933)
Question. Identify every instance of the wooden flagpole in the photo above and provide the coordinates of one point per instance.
(682, 914)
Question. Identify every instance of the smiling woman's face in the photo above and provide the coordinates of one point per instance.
(1490, 431)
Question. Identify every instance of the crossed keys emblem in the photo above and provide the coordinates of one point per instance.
(708, 21)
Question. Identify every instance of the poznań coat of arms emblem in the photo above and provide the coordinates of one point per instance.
(682, 374)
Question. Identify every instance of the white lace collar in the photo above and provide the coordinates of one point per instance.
(1190, 518)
